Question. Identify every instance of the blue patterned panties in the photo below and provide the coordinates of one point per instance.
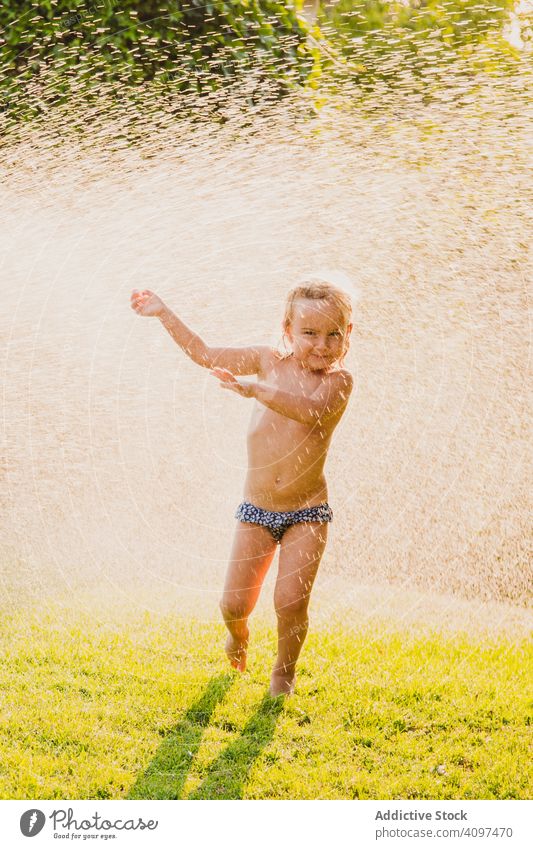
(277, 523)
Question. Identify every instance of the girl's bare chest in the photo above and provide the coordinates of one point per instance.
(286, 379)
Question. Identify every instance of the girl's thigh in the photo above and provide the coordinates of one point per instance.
(252, 552)
(302, 547)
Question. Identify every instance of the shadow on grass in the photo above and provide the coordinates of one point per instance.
(227, 775)
(166, 775)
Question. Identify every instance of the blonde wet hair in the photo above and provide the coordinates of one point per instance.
(316, 290)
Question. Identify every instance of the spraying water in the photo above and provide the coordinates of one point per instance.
(122, 460)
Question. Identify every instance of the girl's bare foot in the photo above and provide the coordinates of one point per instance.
(282, 684)
(236, 652)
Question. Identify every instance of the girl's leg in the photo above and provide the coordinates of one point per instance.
(302, 547)
(252, 553)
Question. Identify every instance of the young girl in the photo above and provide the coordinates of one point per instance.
(300, 397)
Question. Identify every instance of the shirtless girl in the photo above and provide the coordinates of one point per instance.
(300, 398)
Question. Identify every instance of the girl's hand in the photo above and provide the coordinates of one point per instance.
(229, 381)
(146, 303)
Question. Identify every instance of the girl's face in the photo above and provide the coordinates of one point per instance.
(318, 333)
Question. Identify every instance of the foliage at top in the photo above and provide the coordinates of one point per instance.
(183, 45)
(52, 48)
(384, 39)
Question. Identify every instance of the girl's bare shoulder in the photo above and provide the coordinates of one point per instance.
(342, 379)
(342, 374)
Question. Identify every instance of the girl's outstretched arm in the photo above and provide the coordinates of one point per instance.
(237, 360)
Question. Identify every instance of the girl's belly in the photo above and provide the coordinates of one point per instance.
(284, 485)
(285, 464)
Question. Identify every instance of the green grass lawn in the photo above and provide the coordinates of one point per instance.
(94, 709)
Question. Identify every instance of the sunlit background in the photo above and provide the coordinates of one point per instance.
(385, 143)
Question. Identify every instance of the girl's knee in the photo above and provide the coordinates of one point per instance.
(291, 607)
(233, 608)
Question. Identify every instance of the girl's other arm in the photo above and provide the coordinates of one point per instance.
(237, 360)
(328, 400)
